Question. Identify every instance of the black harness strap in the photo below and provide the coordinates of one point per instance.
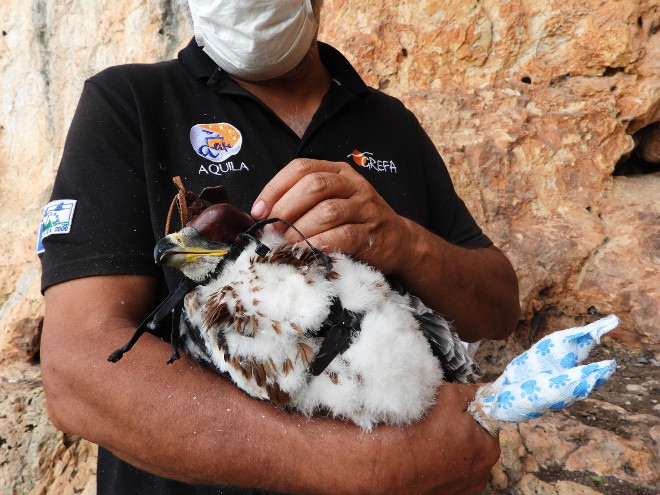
(336, 331)
(161, 312)
(341, 323)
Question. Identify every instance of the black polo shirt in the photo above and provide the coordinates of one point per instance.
(139, 125)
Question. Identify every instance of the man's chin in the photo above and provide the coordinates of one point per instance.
(299, 71)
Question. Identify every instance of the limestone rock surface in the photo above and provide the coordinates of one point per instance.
(534, 105)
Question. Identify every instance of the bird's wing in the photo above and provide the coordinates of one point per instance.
(457, 363)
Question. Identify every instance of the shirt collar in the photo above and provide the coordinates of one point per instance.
(200, 66)
(341, 69)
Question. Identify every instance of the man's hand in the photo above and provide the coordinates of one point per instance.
(337, 209)
(449, 437)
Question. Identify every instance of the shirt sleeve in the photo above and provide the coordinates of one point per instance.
(102, 174)
(449, 217)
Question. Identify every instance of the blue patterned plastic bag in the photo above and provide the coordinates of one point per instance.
(546, 377)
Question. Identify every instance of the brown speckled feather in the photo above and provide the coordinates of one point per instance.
(305, 354)
(276, 395)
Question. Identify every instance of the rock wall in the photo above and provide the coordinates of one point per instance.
(534, 104)
(47, 49)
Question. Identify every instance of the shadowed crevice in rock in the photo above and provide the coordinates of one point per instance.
(635, 166)
(645, 157)
(42, 38)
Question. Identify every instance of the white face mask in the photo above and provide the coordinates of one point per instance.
(254, 39)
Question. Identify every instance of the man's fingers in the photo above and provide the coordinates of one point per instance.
(314, 195)
(345, 238)
(287, 178)
(325, 216)
(337, 208)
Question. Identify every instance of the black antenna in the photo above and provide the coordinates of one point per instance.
(262, 249)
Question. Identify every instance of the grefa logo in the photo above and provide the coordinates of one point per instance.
(216, 142)
(367, 160)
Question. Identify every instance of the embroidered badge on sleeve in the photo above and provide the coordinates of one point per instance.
(57, 219)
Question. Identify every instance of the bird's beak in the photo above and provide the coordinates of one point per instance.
(172, 251)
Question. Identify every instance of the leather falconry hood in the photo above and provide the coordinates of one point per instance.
(219, 221)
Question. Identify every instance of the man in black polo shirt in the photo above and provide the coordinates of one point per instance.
(290, 130)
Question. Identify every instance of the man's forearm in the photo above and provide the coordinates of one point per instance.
(187, 423)
(475, 289)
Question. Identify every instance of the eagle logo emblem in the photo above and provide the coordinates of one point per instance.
(216, 142)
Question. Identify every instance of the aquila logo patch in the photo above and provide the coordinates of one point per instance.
(57, 219)
(216, 142)
(367, 160)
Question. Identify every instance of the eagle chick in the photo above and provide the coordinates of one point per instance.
(326, 334)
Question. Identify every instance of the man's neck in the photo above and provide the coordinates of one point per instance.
(296, 96)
